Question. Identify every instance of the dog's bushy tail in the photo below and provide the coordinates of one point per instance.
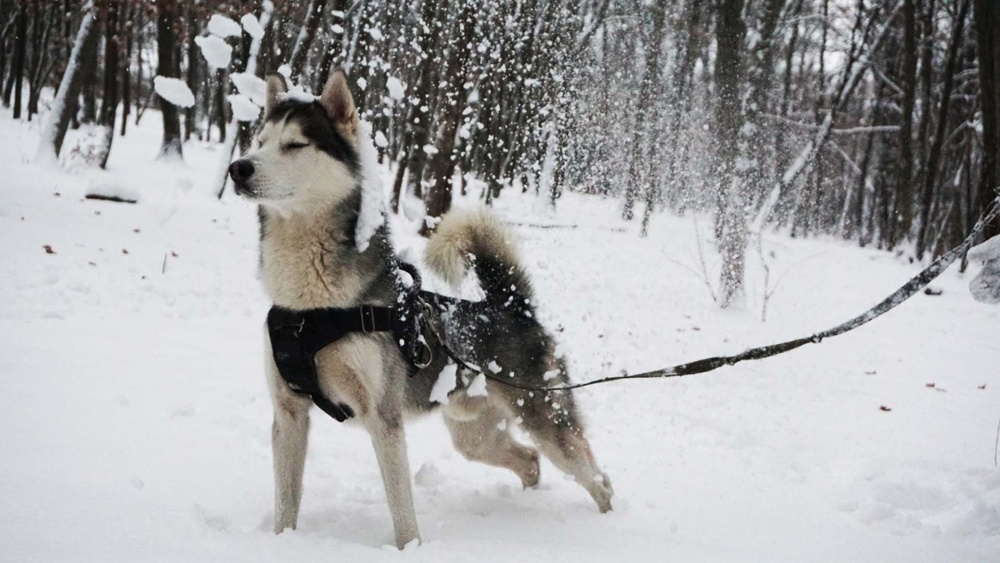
(475, 239)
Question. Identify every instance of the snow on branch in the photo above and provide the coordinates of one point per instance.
(174, 91)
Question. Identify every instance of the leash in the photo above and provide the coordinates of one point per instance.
(906, 291)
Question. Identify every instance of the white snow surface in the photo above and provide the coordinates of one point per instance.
(216, 51)
(135, 420)
(374, 182)
(988, 250)
(251, 86)
(252, 26)
(243, 108)
(174, 91)
(224, 27)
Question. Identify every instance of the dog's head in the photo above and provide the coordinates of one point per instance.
(305, 154)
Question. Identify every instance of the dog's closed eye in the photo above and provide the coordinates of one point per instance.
(294, 145)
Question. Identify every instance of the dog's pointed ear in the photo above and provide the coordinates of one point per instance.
(339, 104)
(275, 88)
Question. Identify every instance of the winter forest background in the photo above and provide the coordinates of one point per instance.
(875, 121)
(796, 160)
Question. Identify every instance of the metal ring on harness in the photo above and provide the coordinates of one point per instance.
(426, 355)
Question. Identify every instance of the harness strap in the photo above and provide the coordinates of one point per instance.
(296, 337)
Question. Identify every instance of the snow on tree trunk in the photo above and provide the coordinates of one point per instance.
(54, 130)
(168, 66)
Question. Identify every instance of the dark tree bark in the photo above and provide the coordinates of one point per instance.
(300, 52)
(908, 82)
(20, 48)
(651, 90)
(168, 65)
(935, 154)
(194, 65)
(41, 63)
(441, 168)
(109, 105)
(129, 31)
(987, 28)
(729, 32)
(421, 116)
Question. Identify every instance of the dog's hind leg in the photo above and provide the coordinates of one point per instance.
(289, 438)
(479, 432)
(389, 440)
(553, 424)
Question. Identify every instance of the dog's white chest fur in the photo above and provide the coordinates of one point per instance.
(299, 269)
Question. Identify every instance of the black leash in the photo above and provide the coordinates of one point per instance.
(909, 289)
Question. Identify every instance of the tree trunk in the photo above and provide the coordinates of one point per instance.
(193, 66)
(65, 103)
(41, 65)
(420, 120)
(167, 65)
(904, 172)
(653, 91)
(109, 105)
(129, 30)
(937, 146)
(730, 31)
(441, 168)
(987, 25)
(20, 48)
(300, 53)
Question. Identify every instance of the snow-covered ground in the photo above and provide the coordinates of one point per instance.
(135, 423)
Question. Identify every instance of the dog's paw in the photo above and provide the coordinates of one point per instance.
(529, 476)
(602, 491)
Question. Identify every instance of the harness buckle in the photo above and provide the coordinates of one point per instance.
(367, 319)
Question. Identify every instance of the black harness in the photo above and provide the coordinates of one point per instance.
(296, 337)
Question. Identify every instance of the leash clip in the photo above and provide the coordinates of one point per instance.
(426, 356)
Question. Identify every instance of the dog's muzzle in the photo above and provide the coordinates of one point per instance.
(241, 171)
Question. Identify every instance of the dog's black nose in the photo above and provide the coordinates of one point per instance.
(241, 170)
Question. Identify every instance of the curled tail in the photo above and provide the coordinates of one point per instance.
(476, 240)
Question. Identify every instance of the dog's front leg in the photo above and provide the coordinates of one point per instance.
(389, 440)
(289, 439)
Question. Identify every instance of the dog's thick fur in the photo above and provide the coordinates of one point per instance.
(305, 176)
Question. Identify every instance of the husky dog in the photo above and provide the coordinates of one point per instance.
(305, 175)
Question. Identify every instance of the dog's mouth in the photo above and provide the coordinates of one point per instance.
(243, 189)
